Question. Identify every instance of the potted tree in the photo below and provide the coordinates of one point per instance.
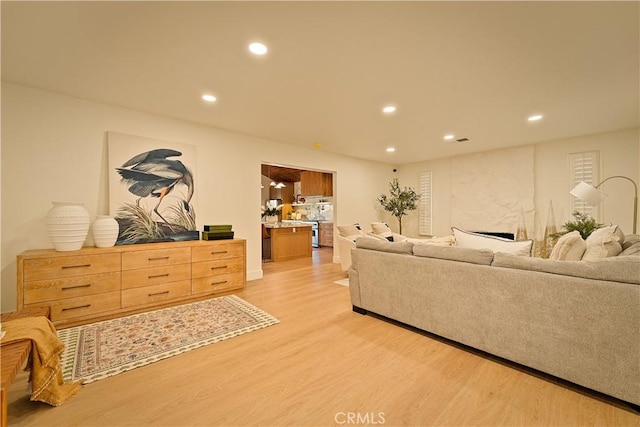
(400, 202)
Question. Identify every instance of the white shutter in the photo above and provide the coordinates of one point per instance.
(424, 207)
(583, 167)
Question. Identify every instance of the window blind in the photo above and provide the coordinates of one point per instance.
(424, 206)
(583, 167)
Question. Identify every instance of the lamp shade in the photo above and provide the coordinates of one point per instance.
(591, 195)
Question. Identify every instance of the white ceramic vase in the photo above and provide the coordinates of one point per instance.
(67, 225)
(105, 231)
(272, 219)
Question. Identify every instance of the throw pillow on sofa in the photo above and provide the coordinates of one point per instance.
(433, 241)
(350, 230)
(569, 247)
(468, 239)
(602, 243)
(382, 229)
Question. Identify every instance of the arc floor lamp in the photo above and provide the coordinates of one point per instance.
(592, 196)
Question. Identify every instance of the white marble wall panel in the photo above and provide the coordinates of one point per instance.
(490, 190)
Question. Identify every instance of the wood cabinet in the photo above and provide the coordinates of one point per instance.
(217, 268)
(286, 193)
(316, 183)
(290, 243)
(325, 234)
(96, 283)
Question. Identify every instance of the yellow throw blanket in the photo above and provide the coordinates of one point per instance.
(46, 370)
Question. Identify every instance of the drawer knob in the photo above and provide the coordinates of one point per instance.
(218, 268)
(158, 258)
(159, 275)
(158, 293)
(218, 252)
(76, 266)
(219, 283)
(77, 308)
(66, 288)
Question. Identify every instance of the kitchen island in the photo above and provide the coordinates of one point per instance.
(287, 240)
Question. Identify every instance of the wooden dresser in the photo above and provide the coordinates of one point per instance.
(99, 283)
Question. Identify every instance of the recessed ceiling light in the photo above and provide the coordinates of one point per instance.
(209, 98)
(389, 109)
(535, 118)
(391, 150)
(258, 48)
(449, 137)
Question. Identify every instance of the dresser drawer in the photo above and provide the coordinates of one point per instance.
(216, 284)
(155, 258)
(212, 268)
(92, 305)
(69, 266)
(155, 276)
(154, 294)
(68, 287)
(218, 251)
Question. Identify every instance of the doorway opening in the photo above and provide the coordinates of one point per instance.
(302, 195)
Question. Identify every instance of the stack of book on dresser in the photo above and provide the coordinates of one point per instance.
(217, 232)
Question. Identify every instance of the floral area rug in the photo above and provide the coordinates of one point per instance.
(103, 349)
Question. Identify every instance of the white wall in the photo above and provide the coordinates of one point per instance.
(619, 155)
(54, 148)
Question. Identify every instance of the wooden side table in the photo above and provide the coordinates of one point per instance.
(13, 357)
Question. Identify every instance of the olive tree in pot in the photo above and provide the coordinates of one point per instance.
(400, 201)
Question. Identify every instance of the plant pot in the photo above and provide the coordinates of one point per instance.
(105, 230)
(272, 219)
(67, 225)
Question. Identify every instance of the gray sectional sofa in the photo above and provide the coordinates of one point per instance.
(576, 320)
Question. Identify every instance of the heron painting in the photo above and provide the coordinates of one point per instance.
(160, 190)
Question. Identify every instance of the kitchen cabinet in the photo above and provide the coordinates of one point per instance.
(286, 193)
(326, 234)
(316, 183)
(289, 242)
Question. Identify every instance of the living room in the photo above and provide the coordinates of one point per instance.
(55, 147)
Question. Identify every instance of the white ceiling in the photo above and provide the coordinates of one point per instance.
(474, 69)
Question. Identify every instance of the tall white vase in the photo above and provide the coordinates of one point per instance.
(105, 231)
(67, 225)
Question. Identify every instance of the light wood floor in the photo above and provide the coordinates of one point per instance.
(322, 365)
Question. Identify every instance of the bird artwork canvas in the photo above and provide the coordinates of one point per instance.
(151, 189)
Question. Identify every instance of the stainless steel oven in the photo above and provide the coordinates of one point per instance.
(315, 238)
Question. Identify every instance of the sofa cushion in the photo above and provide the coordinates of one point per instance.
(434, 241)
(349, 230)
(633, 249)
(602, 243)
(569, 247)
(616, 269)
(453, 253)
(385, 246)
(382, 229)
(630, 240)
(468, 239)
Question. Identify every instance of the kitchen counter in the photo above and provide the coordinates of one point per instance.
(287, 240)
(287, 224)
